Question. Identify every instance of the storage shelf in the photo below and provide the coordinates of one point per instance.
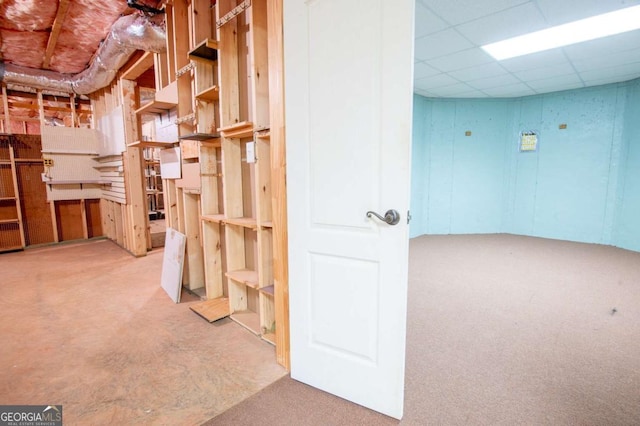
(68, 152)
(243, 129)
(268, 224)
(8, 198)
(3, 221)
(248, 319)
(210, 94)
(263, 134)
(244, 276)
(270, 290)
(78, 182)
(247, 222)
(152, 144)
(28, 160)
(206, 50)
(270, 337)
(214, 218)
(156, 107)
(199, 137)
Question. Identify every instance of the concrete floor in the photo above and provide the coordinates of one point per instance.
(88, 326)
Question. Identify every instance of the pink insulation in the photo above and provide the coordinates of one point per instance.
(86, 25)
(24, 48)
(27, 15)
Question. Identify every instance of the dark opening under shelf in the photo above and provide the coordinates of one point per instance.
(199, 136)
(207, 50)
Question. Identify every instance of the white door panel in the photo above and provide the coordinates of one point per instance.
(348, 85)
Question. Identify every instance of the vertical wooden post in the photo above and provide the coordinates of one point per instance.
(5, 104)
(16, 193)
(136, 231)
(83, 214)
(74, 117)
(278, 181)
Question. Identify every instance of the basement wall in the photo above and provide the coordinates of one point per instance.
(580, 185)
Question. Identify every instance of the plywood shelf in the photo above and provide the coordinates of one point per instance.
(267, 224)
(3, 221)
(270, 290)
(243, 129)
(248, 319)
(139, 67)
(78, 182)
(156, 107)
(152, 144)
(244, 276)
(8, 198)
(206, 50)
(247, 222)
(199, 136)
(270, 337)
(263, 134)
(213, 218)
(210, 94)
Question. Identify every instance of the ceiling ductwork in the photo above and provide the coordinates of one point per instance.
(128, 34)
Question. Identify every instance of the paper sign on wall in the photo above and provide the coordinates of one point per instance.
(528, 141)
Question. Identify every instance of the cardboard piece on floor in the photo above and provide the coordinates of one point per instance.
(172, 263)
(212, 310)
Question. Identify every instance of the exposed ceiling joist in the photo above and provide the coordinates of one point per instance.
(63, 7)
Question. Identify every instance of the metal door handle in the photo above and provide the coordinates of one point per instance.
(392, 217)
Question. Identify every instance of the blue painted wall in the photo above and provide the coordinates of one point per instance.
(627, 224)
(581, 185)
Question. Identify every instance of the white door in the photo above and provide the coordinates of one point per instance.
(348, 85)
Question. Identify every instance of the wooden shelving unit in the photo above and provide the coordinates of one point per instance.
(11, 226)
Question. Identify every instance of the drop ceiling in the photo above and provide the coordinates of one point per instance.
(449, 62)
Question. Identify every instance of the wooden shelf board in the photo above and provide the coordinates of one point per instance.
(270, 290)
(78, 182)
(247, 277)
(244, 129)
(212, 310)
(139, 67)
(5, 162)
(152, 144)
(155, 107)
(215, 218)
(3, 221)
(267, 224)
(248, 319)
(247, 222)
(206, 49)
(8, 198)
(28, 160)
(199, 137)
(210, 94)
(68, 152)
(263, 134)
(270, 337)
(107, 158)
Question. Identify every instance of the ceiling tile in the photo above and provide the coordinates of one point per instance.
(556, 83)
(561, 12)
(436, 81)
(548, 58)
(465, 59)
(422, 70)
(459, 11)
(487, 83)
(440, 44)
(506, 24)
(610, 73)
(604, 46)
(514, 90)
(545, 72)
(453, 90)
(606, 61)
(427, 22)
(492, 69)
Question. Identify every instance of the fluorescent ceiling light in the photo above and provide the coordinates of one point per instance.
(598, 26)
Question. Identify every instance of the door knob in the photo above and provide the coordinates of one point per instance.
(392, 217)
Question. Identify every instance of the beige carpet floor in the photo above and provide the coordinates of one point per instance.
(502, 330)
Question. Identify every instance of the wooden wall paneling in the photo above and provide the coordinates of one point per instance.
(259, 66)
(38, 227)
(94, 221)
(69, 217)
(278, 180)
(192, 231)
(211, 229)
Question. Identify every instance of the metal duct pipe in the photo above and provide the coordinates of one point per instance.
(128, 34)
